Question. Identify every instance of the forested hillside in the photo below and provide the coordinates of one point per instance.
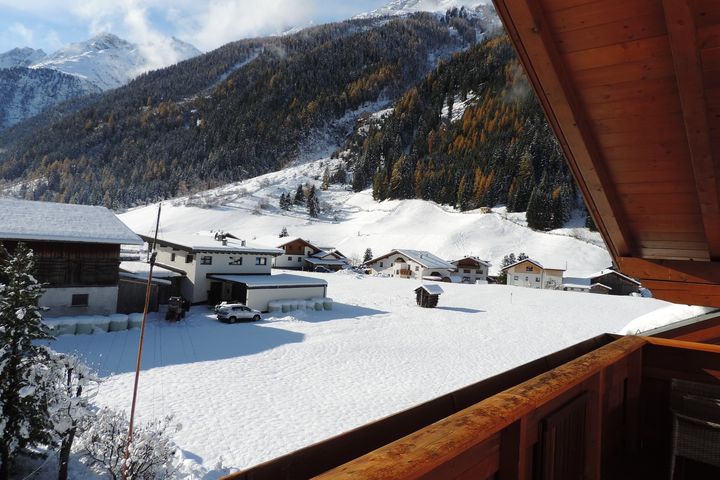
(234, 113)
(499, 151)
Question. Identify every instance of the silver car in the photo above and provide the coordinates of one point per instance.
(231, 313)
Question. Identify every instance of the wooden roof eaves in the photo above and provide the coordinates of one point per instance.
(530, 34)
(682, 34)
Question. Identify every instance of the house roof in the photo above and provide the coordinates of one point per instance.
(326, 261)
(534, 262)
(431, 288)
(205, 243)
(472, 258)
(62, 222)
(272, 281)
(630, 92)
(609, 271)
(302, 240)
(422, 257)
(143, 269)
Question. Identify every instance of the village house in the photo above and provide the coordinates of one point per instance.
(216, 268)
(415, 264)
(77, 252)
(471, 269)
(299, 254)
(607, 281)
(531, 273)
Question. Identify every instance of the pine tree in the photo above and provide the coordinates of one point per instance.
(325, 179)
(281, 204)
(25, 418)
(507, 260)
(313, 204)
(299, 196)
(283, 232)
(368, 255)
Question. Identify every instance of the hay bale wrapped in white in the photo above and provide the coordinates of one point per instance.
(85, 325)
(318, 303)
(60, 325)
(299, 304)
(328, 303)
(285, 307)
(309, 305)
(101, 323)
(135, 320)
(118, 322)
(274, 306)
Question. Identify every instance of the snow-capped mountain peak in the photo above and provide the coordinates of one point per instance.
(21, 57)
(405, 7)
(109, 61)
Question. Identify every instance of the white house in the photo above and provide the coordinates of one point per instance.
(217, 268)
(415, 264)
(299, 254)
(532, 274)
(471, 269)
(77, 252)
(196, 256)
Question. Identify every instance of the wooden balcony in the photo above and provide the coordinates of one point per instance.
(600, 409)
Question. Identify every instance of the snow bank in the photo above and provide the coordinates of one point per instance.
(662, 317)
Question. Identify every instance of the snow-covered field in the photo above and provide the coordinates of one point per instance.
(353, 222)
(246, 393)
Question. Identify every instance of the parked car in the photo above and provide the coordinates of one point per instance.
(225, 303)
(231, 313)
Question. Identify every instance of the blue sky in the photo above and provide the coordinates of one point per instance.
(49, 24)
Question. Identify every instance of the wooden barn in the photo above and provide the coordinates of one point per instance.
(427, 296)
(77, 249)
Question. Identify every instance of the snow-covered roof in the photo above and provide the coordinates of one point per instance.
(601, 285)
(535, 262)
(471, 257)
(207, 243)
(62, 222)
(265, 281)
(576, 285)
(424, 258)
(431, 288)
(143, 268)
(607, 271)
(326, 261)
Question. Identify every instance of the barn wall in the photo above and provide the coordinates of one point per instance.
(259, 298)
(101, 301)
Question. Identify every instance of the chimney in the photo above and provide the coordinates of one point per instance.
(242, 243)
(224, 241)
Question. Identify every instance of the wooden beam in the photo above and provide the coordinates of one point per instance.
(681, 271)
(538, 52)
(689, 74)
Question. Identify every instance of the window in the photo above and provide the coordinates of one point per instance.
(172, 257)
(516, 277)
(260, 261)
(299, 259)
(80, 300)
(289, 259)
(526, 279)
(189, 258)
(236, 261)
(417, 268)
(206, 260)
(397, 272)
(537, 279)
(529, 268)
(381, 264)
(467, 270)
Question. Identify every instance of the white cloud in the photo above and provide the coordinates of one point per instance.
(24, 34)
(227, 20)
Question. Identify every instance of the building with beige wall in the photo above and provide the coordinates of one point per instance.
(416, 264)
(532, 274)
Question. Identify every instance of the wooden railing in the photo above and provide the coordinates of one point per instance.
(532, 425)
(602, 412)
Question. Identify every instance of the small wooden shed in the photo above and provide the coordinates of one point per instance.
(427, 295)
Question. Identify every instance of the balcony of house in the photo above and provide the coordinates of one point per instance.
(405, 273)
(610, 407)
